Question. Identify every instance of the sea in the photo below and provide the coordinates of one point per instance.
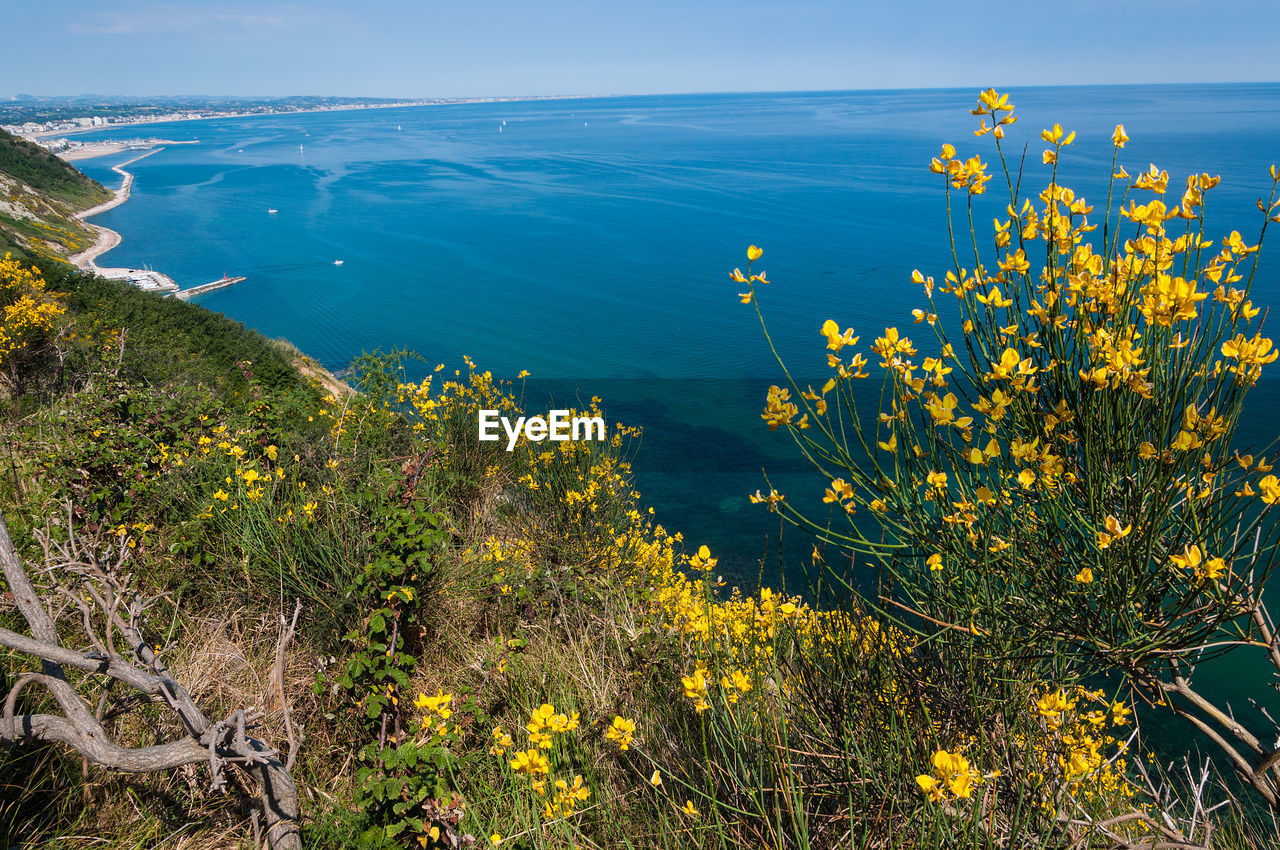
(590, 241)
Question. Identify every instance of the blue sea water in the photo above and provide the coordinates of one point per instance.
(589, 241)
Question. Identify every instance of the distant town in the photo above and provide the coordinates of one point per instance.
(41, 131)
(48, 120)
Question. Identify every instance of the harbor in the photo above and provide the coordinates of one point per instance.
(148, 280)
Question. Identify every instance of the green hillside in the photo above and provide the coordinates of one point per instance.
(39, 195)
(57, 180)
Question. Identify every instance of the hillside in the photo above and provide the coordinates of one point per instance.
(39, 194)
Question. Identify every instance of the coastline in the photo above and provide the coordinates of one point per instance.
(108, 239)
(92, 150)
(54, 134)
(154, 281)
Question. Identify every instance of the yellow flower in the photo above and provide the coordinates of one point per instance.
(1269, 487)
(1189, 559)
(1055, 136)
(935, 563)
(656, 779)
(1119, 137)
(952, 772)
(1113, 533)
(929, 786)
(689, 809)
(1052, 706)
(836, 339)
(1085, 576)
(753, 253)
(695, 688)
(531, 762)
(621, 731)
(703, 560)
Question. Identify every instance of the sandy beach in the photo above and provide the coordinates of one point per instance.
(106, 148)
(108, 238)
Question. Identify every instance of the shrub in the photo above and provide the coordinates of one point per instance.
(1055, 492)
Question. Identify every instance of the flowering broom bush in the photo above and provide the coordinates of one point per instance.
(1055, 488)
(28, 315)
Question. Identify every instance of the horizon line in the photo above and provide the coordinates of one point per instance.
(581, 96)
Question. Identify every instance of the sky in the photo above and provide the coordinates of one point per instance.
(477, 48)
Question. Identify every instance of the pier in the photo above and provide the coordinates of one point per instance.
(207, 287)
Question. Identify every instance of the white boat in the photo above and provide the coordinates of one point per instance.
(272, 212)
(337, 262)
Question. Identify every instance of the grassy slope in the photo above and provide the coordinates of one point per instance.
(531, 601)
(38, 195)
(47, 174)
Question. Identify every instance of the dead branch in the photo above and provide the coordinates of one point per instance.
(276, 680)
(100, 590)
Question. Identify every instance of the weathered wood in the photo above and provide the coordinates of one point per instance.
(218, 744)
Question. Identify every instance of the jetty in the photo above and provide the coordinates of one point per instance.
(225, 280)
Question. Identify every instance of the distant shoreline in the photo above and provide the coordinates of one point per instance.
(91, 150)
(55, 134)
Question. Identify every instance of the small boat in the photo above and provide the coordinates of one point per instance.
(337, 262)
(272, 212)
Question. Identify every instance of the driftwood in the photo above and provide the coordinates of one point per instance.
(112, 619)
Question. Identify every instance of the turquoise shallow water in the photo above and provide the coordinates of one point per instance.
(589, 241)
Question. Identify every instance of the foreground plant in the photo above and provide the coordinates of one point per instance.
(28, 320)
(113, 616)
(1055, 491)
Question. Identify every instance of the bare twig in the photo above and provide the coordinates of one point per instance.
(121, 613)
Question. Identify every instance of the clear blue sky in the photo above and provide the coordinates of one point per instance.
(420, 48)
